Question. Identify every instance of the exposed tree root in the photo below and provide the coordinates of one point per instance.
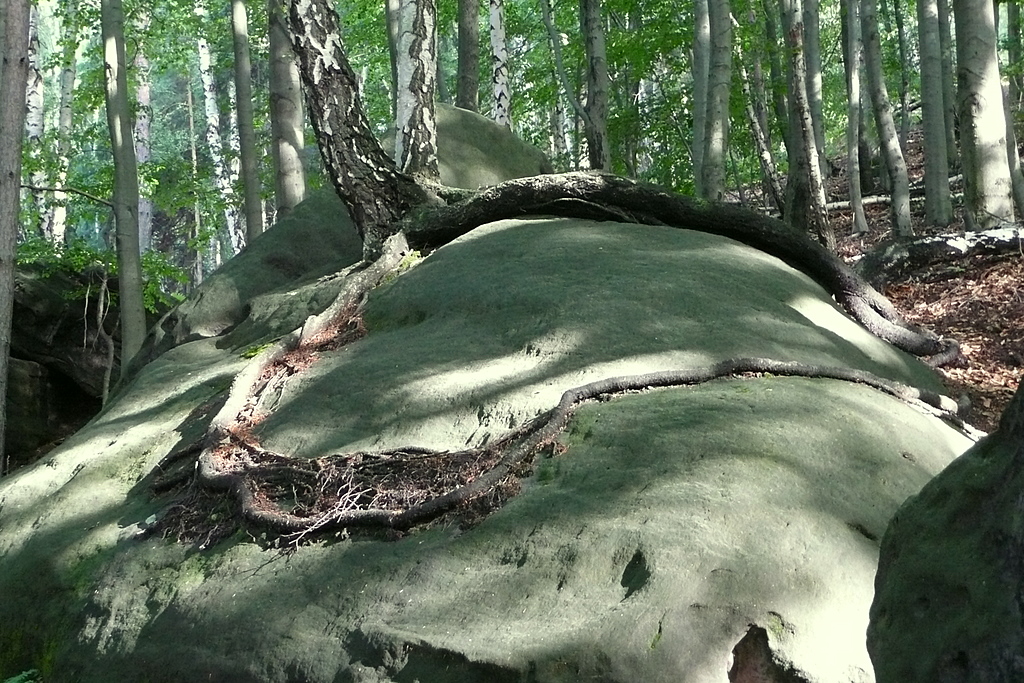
(609, 197)
(298, 499)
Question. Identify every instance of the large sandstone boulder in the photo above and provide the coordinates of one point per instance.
(474, 151)
(726, 531)
(948, 604)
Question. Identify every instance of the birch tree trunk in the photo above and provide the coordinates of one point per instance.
(901, 42)
(853, 114)
(197, 214)
(251, 188)
(598, 85)
(701, 61)
(764, 150)
(143, 102)
(68, 72)
(982, 121)
(214, 139)
(126, 181)
(1014, 53)
(895, 165)
(14, 19)
(1013, 157)
(416, 126)
(502, 103)
(467, 91)
(35, 125)
(286, 115)
(937, 206)
(719, 83)
(366, 179)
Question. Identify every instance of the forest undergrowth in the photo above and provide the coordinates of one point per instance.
(979, 301)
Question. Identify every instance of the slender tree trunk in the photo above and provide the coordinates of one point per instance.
(196, 238)
(501, 110)
(468, 87)
(987, 182)
(286, 115)
(246, 129)
(701, 62)
(719, 84)
(58, 227)
(1013, 156)
(598, 85)
(812, 51)
(14, 19)
(937, 206)
(214, 139)
(948, 87)
(35, 126)
(806, 212)
(143, 106)
(1014, 53)
(853, 115)
(126, 181)
(366, 179)
(764, 150)
(891, 151)
(776, 71)
(416, 137)
(901, 41)
(392, 13)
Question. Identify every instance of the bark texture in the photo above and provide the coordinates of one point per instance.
(853, 113)
(416, 125)
(366, 179)
(13, 81)
(987, 185)
(700, 61)
(501, 110)
(719, 83)
(598, 86)
(467, 91)
(286, 116)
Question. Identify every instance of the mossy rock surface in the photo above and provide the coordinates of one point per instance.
(673, 520)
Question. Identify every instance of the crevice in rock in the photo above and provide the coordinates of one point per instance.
(753, 661)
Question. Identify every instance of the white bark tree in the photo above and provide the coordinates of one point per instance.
(700, 61)
(467, 90)
(987, 199)
(286, 115)
(35, 125)
(143, 105)
(719, 83)
(853, 114)
(501, 110)
(598, 84)
(416, 125)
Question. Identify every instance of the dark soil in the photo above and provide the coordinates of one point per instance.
(978, 301)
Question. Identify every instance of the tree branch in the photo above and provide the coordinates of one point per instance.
(67, 190)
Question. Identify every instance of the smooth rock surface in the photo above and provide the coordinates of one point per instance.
(674, 521)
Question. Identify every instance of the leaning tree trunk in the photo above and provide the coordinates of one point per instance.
(598, 85)
(853, 114)
(286, 115)
(366, 179)
(891, 152)
(937, 207)
(251, 189)
(1013, 156)
(982, 123)
(502, 101)
(13, 82)
(126, 181)
(804, 212)
(765, 158)
(415, 125)
(719, 83)
(70, 28)
(467, 90)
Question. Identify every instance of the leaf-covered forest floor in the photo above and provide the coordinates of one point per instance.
(978, 301)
